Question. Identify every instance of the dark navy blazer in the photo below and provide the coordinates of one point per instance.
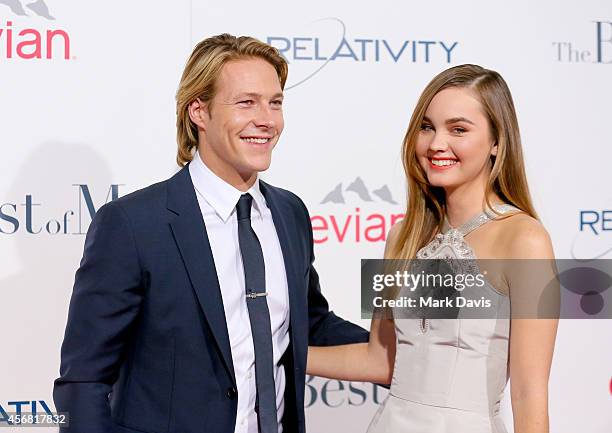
(146, 347)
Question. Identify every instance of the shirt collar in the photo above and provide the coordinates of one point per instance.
(219, 194)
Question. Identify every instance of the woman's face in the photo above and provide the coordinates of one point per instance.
(455, 141)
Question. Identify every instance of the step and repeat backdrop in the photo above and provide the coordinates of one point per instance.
(87, 115)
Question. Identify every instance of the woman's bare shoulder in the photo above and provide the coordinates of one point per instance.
(524, 237)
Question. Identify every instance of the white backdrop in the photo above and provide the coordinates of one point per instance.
(97, 109)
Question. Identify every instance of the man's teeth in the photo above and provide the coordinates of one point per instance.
(256, 140)
(443, 162)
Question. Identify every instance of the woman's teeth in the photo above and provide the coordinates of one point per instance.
(443, 162)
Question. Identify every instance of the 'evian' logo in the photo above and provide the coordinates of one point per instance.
(32, 43)
(347, 221)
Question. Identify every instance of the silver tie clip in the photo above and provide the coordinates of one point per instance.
(254, 295)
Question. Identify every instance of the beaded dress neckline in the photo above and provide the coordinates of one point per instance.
(450, 244)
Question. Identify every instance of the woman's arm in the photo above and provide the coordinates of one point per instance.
(367, 362)
(532, 339)
(531, 349)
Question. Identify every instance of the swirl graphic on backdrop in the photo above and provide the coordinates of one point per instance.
(329, 59)
(573, 249)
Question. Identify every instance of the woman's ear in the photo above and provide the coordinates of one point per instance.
(494, 150)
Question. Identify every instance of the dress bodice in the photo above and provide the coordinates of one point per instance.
(457, 363)
(450, 374)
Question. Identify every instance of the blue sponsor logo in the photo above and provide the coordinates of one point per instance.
(20, 407)
(329, 41)
(596, 221)
(593, 225)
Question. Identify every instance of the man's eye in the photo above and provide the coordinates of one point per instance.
(277, 104)
(247, 102)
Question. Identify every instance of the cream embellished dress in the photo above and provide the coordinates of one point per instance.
(449, 374)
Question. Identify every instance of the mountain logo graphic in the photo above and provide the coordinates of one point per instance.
(39, 7)
(359, 188)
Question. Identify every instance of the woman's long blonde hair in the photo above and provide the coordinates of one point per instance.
(426, 204)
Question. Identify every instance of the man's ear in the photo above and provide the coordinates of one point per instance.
(198, 113)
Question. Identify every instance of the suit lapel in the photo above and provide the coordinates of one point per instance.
(288, 242)
(192, 240)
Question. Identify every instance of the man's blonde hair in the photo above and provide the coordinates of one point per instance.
(201, 73)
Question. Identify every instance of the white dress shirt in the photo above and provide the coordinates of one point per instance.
(217, 200)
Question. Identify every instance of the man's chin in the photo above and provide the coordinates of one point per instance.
(260, 165)
(253, 169)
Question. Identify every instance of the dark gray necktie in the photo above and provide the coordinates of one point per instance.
(259, 316)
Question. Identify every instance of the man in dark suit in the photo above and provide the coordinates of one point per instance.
(196, 298)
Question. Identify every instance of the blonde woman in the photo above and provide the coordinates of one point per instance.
(467, 197)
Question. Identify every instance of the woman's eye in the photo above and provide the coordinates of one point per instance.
(459, 130)
(426, 127)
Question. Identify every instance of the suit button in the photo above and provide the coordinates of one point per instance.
(231, 393)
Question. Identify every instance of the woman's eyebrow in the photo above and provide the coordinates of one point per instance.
(458, 119)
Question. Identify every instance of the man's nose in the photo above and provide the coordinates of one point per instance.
(265, 117)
